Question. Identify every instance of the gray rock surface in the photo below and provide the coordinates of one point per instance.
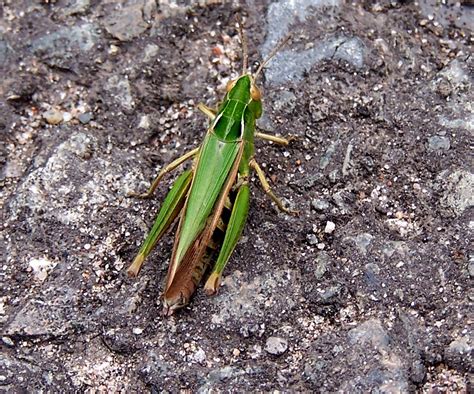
(379, 96)
(126, 22)
(439, 143)
(59, 48)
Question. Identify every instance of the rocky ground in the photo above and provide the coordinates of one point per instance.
(369, 289)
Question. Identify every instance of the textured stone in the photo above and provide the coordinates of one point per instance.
(276, 346)
(126, 23)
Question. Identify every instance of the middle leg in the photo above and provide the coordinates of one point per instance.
(268, 190)
(274, 138)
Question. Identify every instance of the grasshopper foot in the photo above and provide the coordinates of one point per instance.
(212, 284)
(142, 196)
(291, 212)
(135, 267)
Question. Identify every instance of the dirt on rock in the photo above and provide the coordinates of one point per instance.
(368, 289)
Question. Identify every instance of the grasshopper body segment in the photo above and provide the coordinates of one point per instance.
(211, 199)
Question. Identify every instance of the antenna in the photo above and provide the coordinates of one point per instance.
(274, 51)
(245, 51)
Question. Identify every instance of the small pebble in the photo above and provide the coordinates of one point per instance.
(320, 204)
(330, 227)
(400, 226)
(322, 262)
(8, 341)
(41, 267)
(439, 143)
(113, 49)
(312, 239)
(85, 118)
(470, 268)
(137, 330)
(276, 346)
(53, 117)
(67, 116)
(199, 356)
(144, 122)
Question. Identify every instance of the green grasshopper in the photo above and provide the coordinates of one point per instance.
(221, 169)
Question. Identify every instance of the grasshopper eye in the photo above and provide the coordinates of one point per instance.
(230, 85)
(255, 93)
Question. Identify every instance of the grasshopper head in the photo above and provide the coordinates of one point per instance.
(245, 89)
(246, 83)
(244, 86)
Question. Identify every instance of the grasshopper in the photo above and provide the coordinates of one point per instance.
(201, 195)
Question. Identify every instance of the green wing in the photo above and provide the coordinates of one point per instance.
(215, 162)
